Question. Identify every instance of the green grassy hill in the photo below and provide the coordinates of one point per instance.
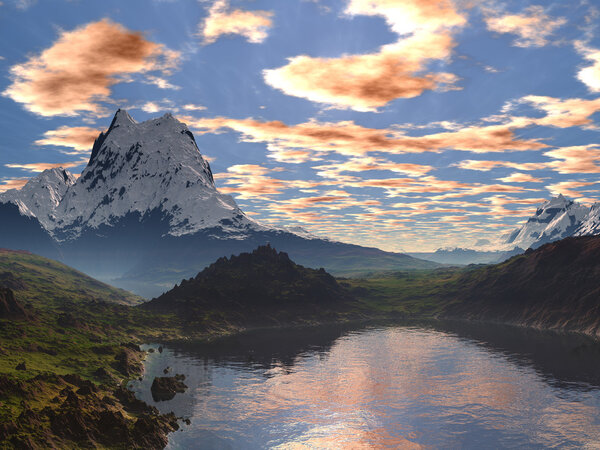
(42, 282)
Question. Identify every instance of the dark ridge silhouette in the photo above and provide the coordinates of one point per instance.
(250, 285)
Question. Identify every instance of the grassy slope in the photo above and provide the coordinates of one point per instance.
(412, 293)
(39, 278)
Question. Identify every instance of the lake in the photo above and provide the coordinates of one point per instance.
(408, 385)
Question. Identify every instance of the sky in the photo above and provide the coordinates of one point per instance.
(408, 125)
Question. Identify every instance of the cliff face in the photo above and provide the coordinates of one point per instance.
(556, 286)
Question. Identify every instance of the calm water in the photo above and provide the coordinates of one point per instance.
(409, 386)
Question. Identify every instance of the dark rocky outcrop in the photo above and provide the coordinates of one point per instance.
(256, 288)
(165, 388)
(128, 361)
(10, 308)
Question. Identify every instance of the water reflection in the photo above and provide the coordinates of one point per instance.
(410, 386)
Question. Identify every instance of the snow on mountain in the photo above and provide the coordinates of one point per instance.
(145, 167)
(590, 225)
(556, 219)
(41, 195)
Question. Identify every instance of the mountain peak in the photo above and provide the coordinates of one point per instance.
(557, 218)
(144, 168)
(122, 118)
(42, 194)
(560, 201)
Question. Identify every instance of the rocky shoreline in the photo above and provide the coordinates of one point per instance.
(60, 411)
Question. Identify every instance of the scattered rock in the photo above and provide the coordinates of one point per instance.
(129, 361)
(151, 350)
(165, 388)
(68, 320)
(11, 281)
(21, 366)
(167, 370)
(160, 349)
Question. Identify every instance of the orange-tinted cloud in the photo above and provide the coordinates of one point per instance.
(77, 72)
(368, 81)
(253, 25)
(432, 185)
(193, 107)
(520, 178)
(349, 139)
(533, 27)
(79, 139)
(362, 164)
(567, 187)
(40, 167)
(576, 159)
(13, 183)
(486, 166)
(561, 113)
(251, 182)
(590, 75)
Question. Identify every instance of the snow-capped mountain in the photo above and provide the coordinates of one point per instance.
(146, 167)
(556, 219)
(590, 225)
(41, 195)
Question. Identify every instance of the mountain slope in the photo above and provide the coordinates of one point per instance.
(555, 286)
(590, 224)
(22, 231)
(38, 280)
(41, 195)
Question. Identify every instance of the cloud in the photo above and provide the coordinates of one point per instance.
(590, 75)
(366, 82)
(410, 16)
(486, 166)
(313, 138)
(40, 167)
(193, 107)
(253, 25)
(12, 183)
(431, 185)
(252, 182)
(362, 164)
(160, 82)
(566, 187)
(533, 27)
(520, 178)
(79, 69)
(369, 81)
(79, 139)
(561, 113)
(576, 159)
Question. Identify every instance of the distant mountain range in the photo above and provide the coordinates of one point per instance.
(556, 219)
(465, 256)
(145, 213)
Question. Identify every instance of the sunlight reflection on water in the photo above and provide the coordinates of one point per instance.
(393, 386)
